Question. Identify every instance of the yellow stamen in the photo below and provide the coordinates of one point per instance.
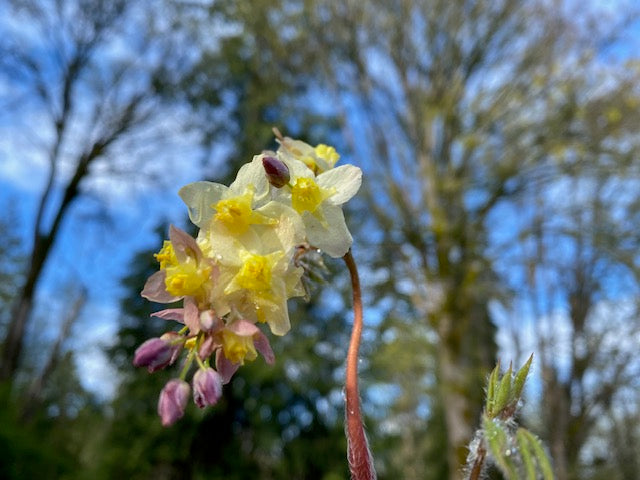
(166, 256)
(255, 273)
(238, 348)
(327, 153)
(236, 213)
(186, 278)
(306, 195)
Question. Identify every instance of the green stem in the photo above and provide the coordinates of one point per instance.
(187, 365)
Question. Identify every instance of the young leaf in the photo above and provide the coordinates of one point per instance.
(491, 391)
(525, 453)
(521, 377)
(503, 395)
(539, 454)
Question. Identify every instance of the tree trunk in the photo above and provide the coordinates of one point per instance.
(21, 312)
(457, 412)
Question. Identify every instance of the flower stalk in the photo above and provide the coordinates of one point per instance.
(358, 453)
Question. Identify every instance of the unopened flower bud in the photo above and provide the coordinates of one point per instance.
(277, 171)
(207, 347)
(176, 342)
(173, 400)
(154, 354)
(207, 387)
(208, 320)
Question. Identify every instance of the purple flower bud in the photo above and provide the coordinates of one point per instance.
(154, 354)
(173, 400)
(176, 342)
(277, 171)
(207, 387)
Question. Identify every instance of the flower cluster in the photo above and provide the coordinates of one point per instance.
(243, 265)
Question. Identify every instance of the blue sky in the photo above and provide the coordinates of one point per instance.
(95, 245)
(115, 218)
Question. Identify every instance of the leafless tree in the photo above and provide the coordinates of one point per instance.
(80, 77)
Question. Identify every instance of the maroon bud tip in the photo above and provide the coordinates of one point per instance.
(207, 387)
(277, 171)
(173, 400)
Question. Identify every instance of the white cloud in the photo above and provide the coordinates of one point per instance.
(96, 330)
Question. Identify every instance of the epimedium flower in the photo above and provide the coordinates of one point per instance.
(235, 207)
(258, 284)
(246, 261)
(241, 341)
(319, 199)
(318, 159)
(184, 270)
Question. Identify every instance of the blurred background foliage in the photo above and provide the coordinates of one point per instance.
(499, 216)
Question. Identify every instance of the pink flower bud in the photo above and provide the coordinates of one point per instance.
(209, 320)
(176, 342)
(154, 354)
(173, 400)
(277, 171)
(207, 387)
(207, 347)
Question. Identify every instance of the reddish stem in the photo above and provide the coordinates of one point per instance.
(358, 454)
(476, 470)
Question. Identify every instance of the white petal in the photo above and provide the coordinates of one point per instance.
(278, 320)
(251, 175)
(199, 196)
(346, 179)
(334, 241)
(297, 168)
(289, 231)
